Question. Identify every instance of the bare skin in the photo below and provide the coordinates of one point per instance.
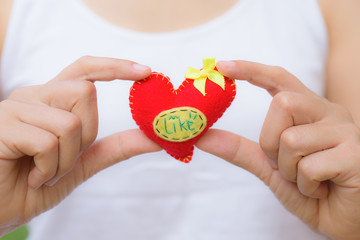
(170, 15)
(5, 10)
(312, 169)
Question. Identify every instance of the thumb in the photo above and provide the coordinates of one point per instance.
(237, 150)
(113, 149)
(249, 156)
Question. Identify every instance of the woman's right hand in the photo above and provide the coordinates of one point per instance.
(47, 134)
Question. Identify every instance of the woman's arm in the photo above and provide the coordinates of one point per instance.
(5, 8)
(343, 66)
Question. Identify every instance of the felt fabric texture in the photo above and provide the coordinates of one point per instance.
(156, 94)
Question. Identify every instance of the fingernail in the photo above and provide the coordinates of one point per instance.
(226, 63)
(140, 67)
(52, 182)
(37, 186)
(273, 163)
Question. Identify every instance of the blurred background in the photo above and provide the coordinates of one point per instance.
(18, 234)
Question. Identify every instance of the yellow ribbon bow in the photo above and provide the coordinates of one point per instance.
(208, 72)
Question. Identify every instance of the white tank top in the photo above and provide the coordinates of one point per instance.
(153, 196)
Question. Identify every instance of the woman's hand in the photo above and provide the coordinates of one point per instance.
(47, 134)
(309, 151)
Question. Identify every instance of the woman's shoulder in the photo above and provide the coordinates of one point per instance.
(5, 9)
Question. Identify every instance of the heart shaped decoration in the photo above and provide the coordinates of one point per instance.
(176, 119)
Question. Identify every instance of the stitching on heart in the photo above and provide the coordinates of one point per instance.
(179, 124)
(185, 84)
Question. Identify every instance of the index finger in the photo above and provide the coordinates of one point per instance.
(103, 69)
(272, 78)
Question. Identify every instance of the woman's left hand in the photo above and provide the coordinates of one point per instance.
(308, 155)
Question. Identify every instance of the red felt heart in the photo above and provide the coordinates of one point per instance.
(182, 111)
